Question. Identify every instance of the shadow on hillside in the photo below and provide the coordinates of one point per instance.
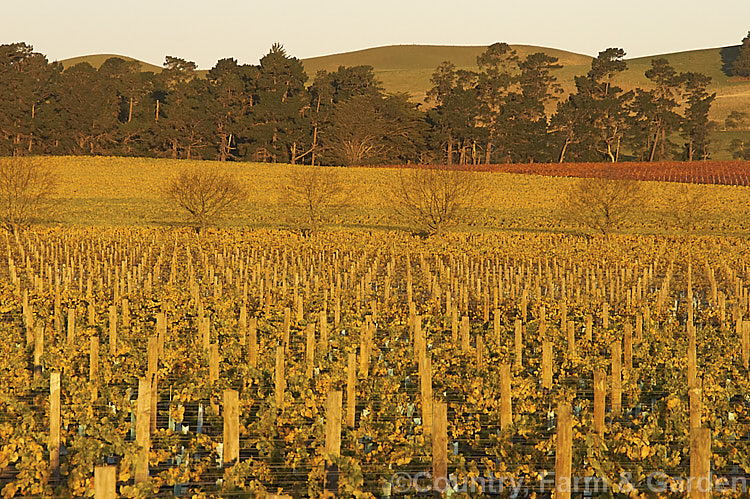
(728, 56)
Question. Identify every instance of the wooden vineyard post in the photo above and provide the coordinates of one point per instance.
(279, 381)
(496, 325)
(454, 326)
(542, 331)
(161, 331)
(440, 447)
(691, 362)
(351, 389)
(28, 316)
(628, 347)
(252, 342)
(564, 452)
(71, 325)
(333, 423)
(600, 400)
(364, 350)
(154, 400)
(425, 383)
(299, 309)
(744, 327)
(38, 349)
(143, 430)
(57, 308)
(465, 334)
(605, 315)
(310, 350)
(506, 407)
(323, 338)
(125, 313)
(337, 311)
(616, 377)
(518, 345)
(54, 425)
(94, 365)
(287, 326)
(333, 440)
(547, 365)
(151, 374)
(323, 319)
(213, 362)
(204, 324)
(105, 482)
(242, 325)
(571, 339)
(153, 355)
(700, 463)
(589, 328)
(696, 407)
(479, 353)
(113, 330)
(417, 338)
(638, 328)
(231, 426)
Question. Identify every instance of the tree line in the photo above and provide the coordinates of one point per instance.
(509, 109)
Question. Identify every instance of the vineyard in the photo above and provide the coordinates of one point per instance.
(151, 362)
(695, 172)
(109, 191)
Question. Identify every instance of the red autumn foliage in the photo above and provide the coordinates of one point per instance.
(695, 172)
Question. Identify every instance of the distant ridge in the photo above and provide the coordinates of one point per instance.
(96, 60)
(410, 56)
(408, 68)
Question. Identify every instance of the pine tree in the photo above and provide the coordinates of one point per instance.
(591, 123)
(280, 115)
(25, 78)
(696, 127)
(654, 115)
(741, 66)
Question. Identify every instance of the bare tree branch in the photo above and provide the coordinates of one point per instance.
(207, 194)
(604, 204)
(26, 184)
(432, 199)
(315, 191)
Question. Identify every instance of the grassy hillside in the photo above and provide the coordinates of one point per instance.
(97, 60)
(102, 191)
(732, 93)
(408, 68)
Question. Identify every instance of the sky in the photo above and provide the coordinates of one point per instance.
(206, 31)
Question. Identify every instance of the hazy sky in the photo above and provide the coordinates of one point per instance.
(205, 31)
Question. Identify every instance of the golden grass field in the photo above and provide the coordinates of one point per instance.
(109, 191)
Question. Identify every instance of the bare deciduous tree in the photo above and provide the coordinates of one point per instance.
(604, 204)
(26, 184)
(432, 199)
(206, 194)
(315, 191)
(687, 206)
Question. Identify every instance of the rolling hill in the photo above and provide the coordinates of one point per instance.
(97, 60)
(408, 68)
